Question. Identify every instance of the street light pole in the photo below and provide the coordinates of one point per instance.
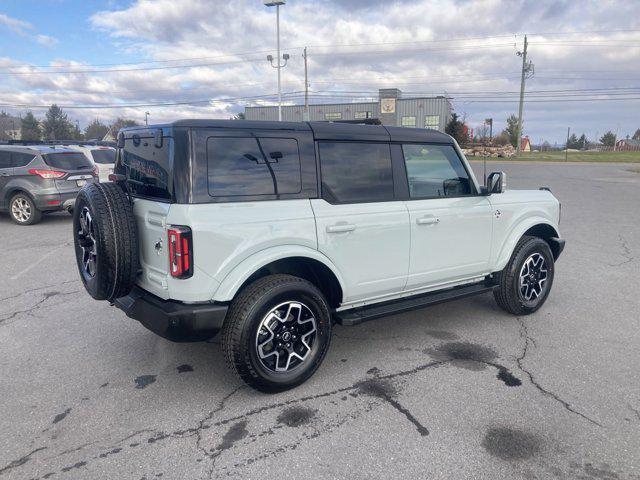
(146, 118)
(277, 4)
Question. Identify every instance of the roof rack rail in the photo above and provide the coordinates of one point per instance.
(101, 143)
(363, 121)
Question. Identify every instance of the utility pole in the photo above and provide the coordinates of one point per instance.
(305, 114)
(527, 72)
(566, 146)
(146, 118)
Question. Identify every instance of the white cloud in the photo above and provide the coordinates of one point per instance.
(46, 40)
(16, 26)
(25, 29)
(163, 30)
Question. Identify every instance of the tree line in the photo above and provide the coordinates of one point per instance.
(56, 125)
(458, 129)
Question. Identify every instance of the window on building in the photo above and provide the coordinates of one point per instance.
(435, 171)
(356, 172)
(408, 122)
(333, 116)
(251, 166)
(432, 121)
(361, 115)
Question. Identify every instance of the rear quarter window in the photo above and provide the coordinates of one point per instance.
(106, 156)
(248, 166)
(148, 168)
(22, 159)
(68, 161)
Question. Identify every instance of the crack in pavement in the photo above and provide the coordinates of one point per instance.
(36, 289)
(635, 411)
(20, 461)
(626, 252)
(524, 334)
(37, 305)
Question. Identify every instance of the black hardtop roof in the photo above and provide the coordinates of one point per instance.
(321, 130)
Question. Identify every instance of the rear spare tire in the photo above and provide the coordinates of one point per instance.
(106, 240)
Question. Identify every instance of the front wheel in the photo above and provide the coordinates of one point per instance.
(526, 281)
(277, 332)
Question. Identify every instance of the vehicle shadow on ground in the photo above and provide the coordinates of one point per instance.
(47, 218)
(354, 350)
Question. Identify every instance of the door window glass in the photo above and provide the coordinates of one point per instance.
(252, 166)
(356, 172)
(5, 159)
(435, 171)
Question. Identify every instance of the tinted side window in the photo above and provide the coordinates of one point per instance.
(435, 171)
(5, 159)
(22, 159)
(356, 172)
(68, 161)
(147, 167)
(251, 166)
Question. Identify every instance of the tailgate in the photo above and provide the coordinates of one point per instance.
(152, 245)
(74, 181)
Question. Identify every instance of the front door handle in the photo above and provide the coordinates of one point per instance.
(427, 221)
(340, 228)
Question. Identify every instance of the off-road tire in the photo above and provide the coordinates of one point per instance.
(507, 294)
(244, 317)
(116, 240)
(36, 214)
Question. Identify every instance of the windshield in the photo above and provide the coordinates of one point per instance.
(104, 156)
(68, 161)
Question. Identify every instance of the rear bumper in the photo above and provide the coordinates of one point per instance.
(55, 201)
(557, 246)
(175, 321)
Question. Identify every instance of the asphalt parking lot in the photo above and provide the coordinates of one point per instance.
(458, 390)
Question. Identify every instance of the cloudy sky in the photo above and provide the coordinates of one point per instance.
(207, 58)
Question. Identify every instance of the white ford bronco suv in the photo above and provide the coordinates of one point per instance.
(272, 231)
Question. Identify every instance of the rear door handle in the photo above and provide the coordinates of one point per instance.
(340, 228)
(427, 221)
(4, 174)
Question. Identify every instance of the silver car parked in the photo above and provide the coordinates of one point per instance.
(36, 179)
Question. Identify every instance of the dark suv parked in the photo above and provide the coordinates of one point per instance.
(36, 179)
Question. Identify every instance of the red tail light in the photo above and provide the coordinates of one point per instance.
(47, 173)
(180, 252)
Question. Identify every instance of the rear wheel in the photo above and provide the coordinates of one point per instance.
(23, 210)
(526, 281)
(105, 240)
(277, 332)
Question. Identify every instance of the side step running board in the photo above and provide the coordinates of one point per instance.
(363, 314)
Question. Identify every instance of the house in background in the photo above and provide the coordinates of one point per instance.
(628, 144)
(525, 144)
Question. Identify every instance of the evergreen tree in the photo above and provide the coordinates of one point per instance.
(608, 139)
(457, 129)
(512, 130)
(56, 125)
(30, 128)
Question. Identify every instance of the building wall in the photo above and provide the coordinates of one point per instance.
(407, 111)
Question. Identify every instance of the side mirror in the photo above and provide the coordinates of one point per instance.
(496, 182)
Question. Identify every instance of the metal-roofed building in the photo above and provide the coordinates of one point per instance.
(391, 109)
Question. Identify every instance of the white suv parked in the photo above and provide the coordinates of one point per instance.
(103, 156)
(273, 231)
